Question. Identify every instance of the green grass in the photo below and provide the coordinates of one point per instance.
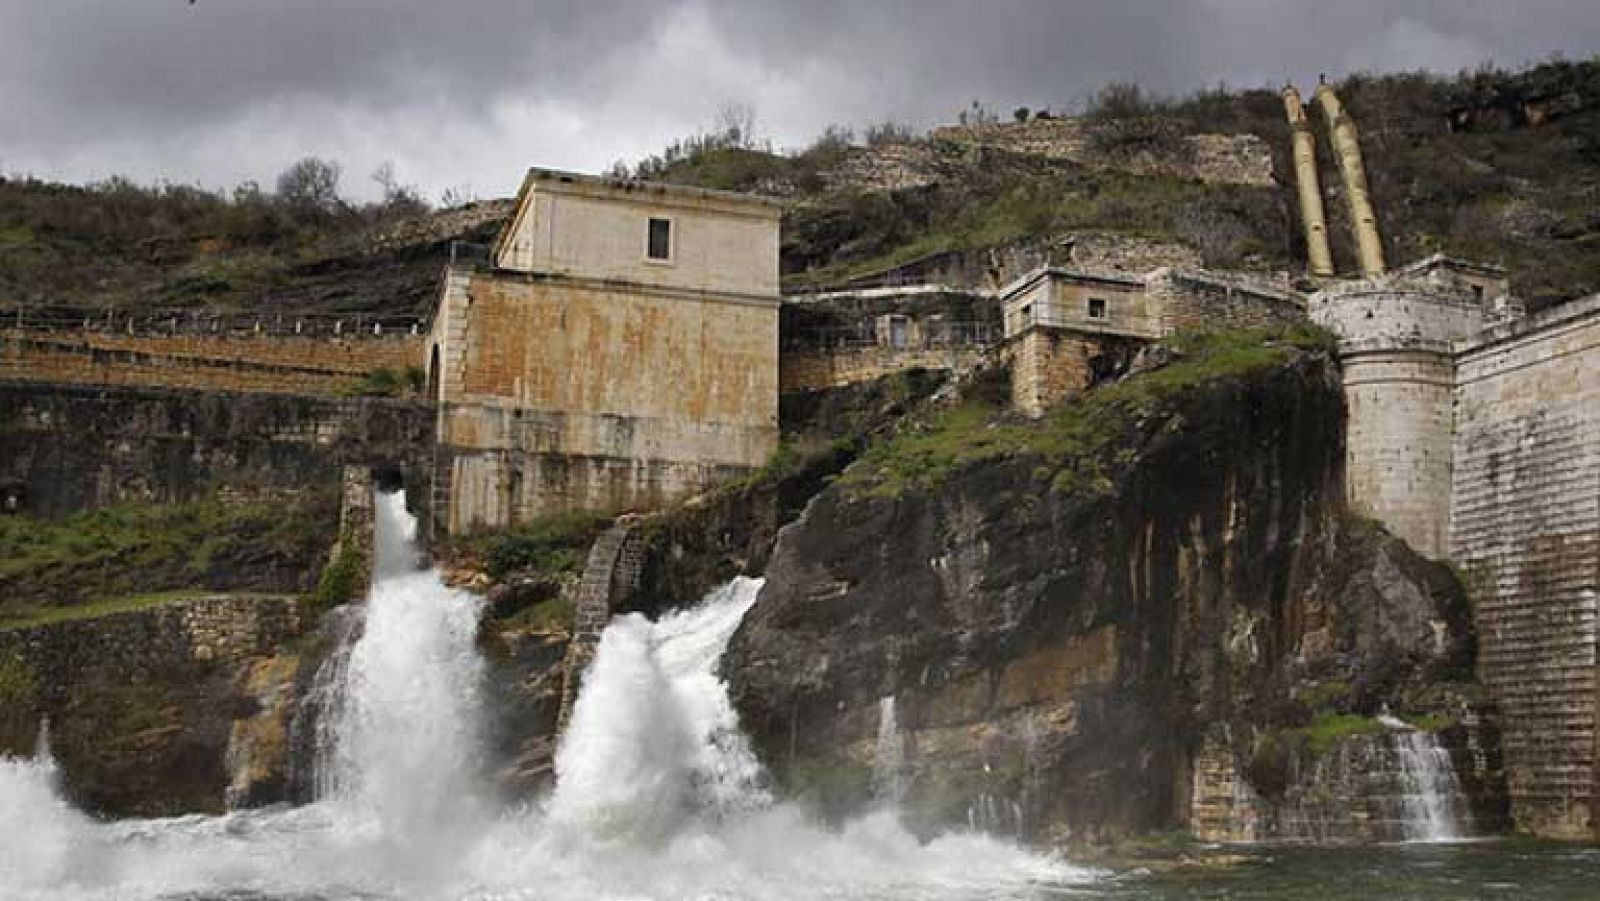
(111, 606)
(341, 579)
(553, 615)
(19, 683)
(141, 548)
(1330, 728)
(1080, 446)
(553, 545)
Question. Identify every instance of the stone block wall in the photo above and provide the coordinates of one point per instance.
(1213, 158)
(1047, 367)
(65, 448)
(143, 644)
(577, 394)
(1194, 300)
(268, 364)
(1526, 532)
(818, 369)
(1397, 441)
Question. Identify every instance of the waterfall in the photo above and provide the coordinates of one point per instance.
(889, 758)
(1432, 791)
(658, 793)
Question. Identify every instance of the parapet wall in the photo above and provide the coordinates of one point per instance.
(1194, 300)
(257, 364)
(66, 447)
(816, 370)
(1526, 532)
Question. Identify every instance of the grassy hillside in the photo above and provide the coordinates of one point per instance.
(126, 246)
(1490, 165)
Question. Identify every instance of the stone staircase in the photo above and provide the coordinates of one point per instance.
(614, 562)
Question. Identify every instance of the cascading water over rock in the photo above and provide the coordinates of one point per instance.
(658, 794)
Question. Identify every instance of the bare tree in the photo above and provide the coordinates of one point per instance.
(736, 126)
(310, 186)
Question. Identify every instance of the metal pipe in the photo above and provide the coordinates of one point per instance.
(1347, 147)
(1312, 215)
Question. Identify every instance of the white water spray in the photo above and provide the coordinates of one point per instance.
(658, 794)
(889, 757)
(1429, 780)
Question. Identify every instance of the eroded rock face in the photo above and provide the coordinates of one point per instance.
(173, 709)
(1059, 658)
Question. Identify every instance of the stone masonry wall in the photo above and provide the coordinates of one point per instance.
(255, 364)
(1190, 300)
(1047, 367)
(138, 643)
(65, 448)
(816, 370)
(1218, 159)
(1397, 442)
(1526, 532)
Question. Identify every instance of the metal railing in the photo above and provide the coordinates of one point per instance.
(926, 336)
(190, 322)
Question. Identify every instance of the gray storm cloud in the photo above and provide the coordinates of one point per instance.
(466, 94)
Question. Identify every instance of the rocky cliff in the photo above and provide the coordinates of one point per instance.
(1069, 616)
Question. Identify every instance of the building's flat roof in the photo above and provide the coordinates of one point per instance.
(558, 178)
(1073, 275)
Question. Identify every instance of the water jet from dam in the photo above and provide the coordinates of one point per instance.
(658, 794)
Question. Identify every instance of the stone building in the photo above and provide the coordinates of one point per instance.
(617, 350)
(1066, 330)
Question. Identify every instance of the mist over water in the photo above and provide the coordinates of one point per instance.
(658, 794)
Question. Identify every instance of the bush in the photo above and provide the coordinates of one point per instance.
(342, 579)
(552, 545)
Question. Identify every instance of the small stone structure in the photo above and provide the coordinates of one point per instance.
(840, 338)
(618, 351)
(1066, 330)
(1212, 158)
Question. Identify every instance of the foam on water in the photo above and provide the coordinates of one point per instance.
(658, 794)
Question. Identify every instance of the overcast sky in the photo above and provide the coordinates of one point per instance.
(468, 93)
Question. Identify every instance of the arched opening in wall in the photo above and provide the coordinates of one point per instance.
(388, 479)
(435, 389)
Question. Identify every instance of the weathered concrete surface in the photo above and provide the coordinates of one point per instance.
(1526, 531)
(601, 396)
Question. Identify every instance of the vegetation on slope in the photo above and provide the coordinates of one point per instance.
(1489, 165)
(1082, 446)
(142, 549)
(299, 250)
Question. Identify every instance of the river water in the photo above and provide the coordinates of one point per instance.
(657, 796)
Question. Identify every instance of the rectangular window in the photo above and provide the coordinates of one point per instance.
(1097, 308)
(660, 242)
(1477, 293)
(897, 333)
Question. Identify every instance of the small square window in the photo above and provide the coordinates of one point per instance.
(1097, 308)
(1477, 293)
(660, 242)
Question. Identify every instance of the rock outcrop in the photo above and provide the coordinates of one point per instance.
(1067, 614)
